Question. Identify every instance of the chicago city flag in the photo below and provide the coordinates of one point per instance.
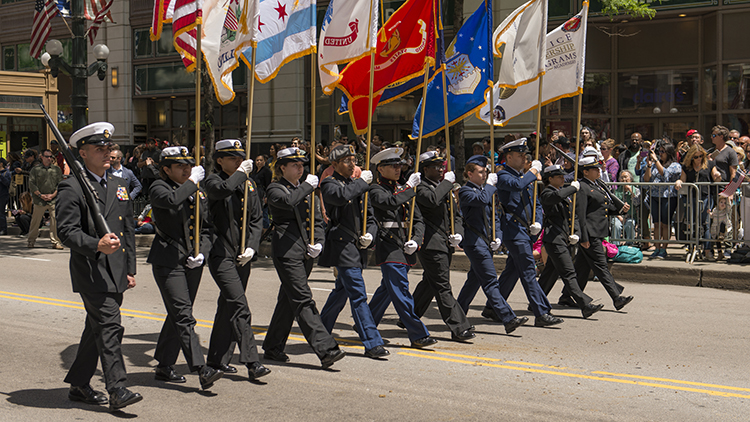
(565, 65)
(404, 44)
(348, 32)
(518, 42)
(286, 30)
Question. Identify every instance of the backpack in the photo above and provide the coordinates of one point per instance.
(628, 255)
(741, 255)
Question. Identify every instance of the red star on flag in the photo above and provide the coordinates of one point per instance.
(282, 11)
(260, 25)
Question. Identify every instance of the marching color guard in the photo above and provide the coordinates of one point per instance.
(176, 266)
(229, 265)
(293, 254)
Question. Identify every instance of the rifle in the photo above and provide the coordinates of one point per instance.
(564, 155)
(92, 197)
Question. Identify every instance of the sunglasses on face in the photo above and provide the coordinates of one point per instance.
(713, 135)
(697, 157)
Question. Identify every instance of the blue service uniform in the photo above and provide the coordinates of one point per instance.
(475, 206)
(515, 192)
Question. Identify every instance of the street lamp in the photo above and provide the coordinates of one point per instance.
(78, 70)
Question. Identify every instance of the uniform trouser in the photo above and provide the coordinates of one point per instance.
(350, 283)
(521, 264)
(483, 273)
(296, 301)
(178, 288)
(436, 282)
(36, 220)
(233, 317)
(101, 340)
(594, 258)
(394, 287)
(560, 263)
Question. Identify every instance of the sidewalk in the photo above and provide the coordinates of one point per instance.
(672, 270)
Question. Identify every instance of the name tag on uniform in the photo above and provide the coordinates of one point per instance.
(122, 194)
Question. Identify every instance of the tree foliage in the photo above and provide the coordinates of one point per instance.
(633, 8)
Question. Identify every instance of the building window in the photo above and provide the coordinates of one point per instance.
(9, 57)
(660, 92)
(736, 89)
(144, 48)
(142, 44)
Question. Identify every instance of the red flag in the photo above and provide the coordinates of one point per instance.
(405, 43)
(44, 11)
(163, 11)
(187, 14)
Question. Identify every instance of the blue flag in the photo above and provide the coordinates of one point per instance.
(468, 69)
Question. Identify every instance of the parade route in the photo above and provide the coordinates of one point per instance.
(675, 353)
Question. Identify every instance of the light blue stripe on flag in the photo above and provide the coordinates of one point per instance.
(299, 21)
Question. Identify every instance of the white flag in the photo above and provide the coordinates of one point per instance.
(518, 42)
(228, 28)
(349, 32)
(565, 65)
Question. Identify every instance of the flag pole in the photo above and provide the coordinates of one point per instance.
(491, 83)
(250, 95)
(369, 119)
(536, 150)
(198, 59)
(419, 145)
(447, 141)
(313, 88)
(578, 153)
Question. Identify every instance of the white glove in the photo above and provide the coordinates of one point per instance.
(495, 244)
(365, 241)
(410, 247)
(366, 176)
(414, 180)
(197, 174)
(456, 187)
(573, 239)
(246, 257)
(246, 167)
(492, 179)
(314, 250)
(535, 228)
(455, 239)
(536, 164)
(194, 262)
(576, 184)
(312, 180)
(450, 176)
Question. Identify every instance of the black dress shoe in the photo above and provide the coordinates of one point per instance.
(256, 370)
(377, 352)
(87, 395)
(463, 335)
(167, 373)
(400, 324)
(591, 309)
(489, 313)
(331, 357)
(227, 369)
(514, 323)
(547, 320)
(277, 356)
(567, 301)
(122, 397)
(621, 301)
(423, 342)
(208, 376)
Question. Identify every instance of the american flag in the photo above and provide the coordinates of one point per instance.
(163, 11)
(44, 11)
(231, 22)
(732, 187)
(187, 14)
(101, 16)
(94, 9)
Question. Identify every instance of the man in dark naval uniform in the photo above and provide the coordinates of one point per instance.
(594, 208)
(102, 267)
(434, 198)
(394, 250)
(346, 248)
(557, 239)
(229, 265)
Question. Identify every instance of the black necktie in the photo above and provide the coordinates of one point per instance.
(103, 183)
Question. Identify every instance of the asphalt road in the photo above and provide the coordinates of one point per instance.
(675, 353)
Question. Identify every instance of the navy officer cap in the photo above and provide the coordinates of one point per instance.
(519, 145)
(480, 160)
(554, 170)
(229, 148)
(342, 151)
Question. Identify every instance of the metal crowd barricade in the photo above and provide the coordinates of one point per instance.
(723, 231)
(139, 203)
(683, 211)
(20, 182)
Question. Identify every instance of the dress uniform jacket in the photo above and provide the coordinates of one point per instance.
(515, 192)
(225, 197)
(594, 209)
(434, 201)
(556, 204)
(477, 212)
(392, 204)
(174, 217)
(288, 241)
(92, 271)
(343, 199)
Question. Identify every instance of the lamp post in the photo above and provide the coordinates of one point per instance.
(78, 70)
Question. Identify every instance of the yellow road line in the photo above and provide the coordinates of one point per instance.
(701, 384)
(581, 376)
